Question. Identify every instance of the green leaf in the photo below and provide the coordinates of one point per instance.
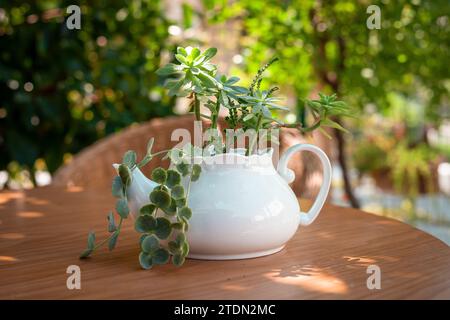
(161, 187)
(163, 228)
(248, 116)
(207, 80)
(145, 260)
(325, 133)
(178, 192)
(185, 212)
(195, 52)
(117, 187)
(185, 249)
(209, 53)
(112, 241)
(86, 253)
(174, 248)
(180, 202)
(148, 209)
(180, 239)
(91, 240)
(141, 238)
(177, 225)
(160, 256)
(160, 198)
(145, 224)
(181, 59)
(150, 244)
(122, 207)
(111, 224)
(173, 178)
(196, 170)
(178, 260)
(182, 51)
(144, 161)
(129, 158)
(125, 175)
(185, 223)
(171, 209)
(183, 168)
(159, 175)
(333, 124)
(168, 69)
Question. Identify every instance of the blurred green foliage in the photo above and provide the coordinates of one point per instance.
(61, 90)
(327, 43)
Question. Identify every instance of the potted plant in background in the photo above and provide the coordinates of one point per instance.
(398, 155)
(216, 200)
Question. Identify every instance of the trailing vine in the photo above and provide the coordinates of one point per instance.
(164, 218)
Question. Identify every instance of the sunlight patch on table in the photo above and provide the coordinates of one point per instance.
(8, 196)
(233, 287)
(12, 236)
(74, 189)
(30, 214)
(8, 259)
(313, 280)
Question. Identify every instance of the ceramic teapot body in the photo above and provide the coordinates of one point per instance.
(242, 206)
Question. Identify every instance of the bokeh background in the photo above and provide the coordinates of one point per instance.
(61, 90)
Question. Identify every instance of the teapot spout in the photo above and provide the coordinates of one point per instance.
(139, 190)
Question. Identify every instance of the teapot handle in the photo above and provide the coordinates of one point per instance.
(289, 176)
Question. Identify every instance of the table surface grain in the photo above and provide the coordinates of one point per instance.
(42, 232)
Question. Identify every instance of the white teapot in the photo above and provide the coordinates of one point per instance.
(242, 207)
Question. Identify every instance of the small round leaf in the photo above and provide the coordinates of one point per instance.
(112, 241)
(178, 192)
(145, 223)
(163, 228)
(159, 175)
(178, 260)
(171, 210)
(185, 213)
(122, 207)
(162, 187)
(173, 178)
(160, 256)
(196, 170)
(177, 225)
(185, 248)
(91, 240)
(181, 238)
(86, 253)
(148, 209)
(160, 198)
(117, 187)
(183, 168)
(129, 158)
(150, 244)
(145, 260)
(125, 175)
(111, 224)
(174, 247)
(180, 202)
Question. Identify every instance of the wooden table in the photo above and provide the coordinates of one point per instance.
(42, 231)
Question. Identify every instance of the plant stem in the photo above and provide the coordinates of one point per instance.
(188, 188)
(215, 114)
(197, 108)
(101, 243)
(255, 140)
